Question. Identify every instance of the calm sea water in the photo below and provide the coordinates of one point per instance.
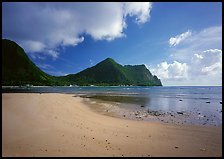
(202, 101)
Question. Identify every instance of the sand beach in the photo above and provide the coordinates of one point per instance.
(53, 124)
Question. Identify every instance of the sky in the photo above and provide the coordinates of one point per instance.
(179, 42)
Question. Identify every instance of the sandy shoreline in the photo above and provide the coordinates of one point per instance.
(54, 124)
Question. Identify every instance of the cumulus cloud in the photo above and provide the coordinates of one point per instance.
(200, 57)
(208, 62)
(204, 68)
(43, 27)
(179, 38)
(140, 10)
(171, 71)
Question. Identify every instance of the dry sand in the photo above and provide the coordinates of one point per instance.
(62, 125)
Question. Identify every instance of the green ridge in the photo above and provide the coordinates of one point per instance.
(18, 69)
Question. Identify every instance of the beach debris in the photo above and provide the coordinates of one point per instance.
(180, 100)
(93, 138)
(208, 102)
(142, 106)
(176, 147)
(137, 113)
(126, 136)
(154, 113)
(124, 115)
(202, 149)
(139, 117)
(146, 115)
(220, 102)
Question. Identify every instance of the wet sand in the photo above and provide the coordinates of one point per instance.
(54, 124)
(135, 108)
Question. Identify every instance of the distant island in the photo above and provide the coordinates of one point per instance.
(19, 70)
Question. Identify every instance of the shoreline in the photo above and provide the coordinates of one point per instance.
(55, 124)
(138, 112)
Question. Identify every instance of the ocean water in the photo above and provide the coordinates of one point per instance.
(199, 104)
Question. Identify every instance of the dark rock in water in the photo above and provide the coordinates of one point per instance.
(180, 100)
(208, 102)
(199, 113)
(180, 113)
(220, 102)
(142, 106)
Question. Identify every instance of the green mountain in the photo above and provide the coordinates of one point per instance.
(108, 72)
(18, 69)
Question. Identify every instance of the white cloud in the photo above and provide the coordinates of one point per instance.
(52, 53)
(204, 68)
(210, 64)
(202, 53)
(179, 38)
(140, 10)
(43, 27)
(198, 42)
(33, 46)
(198, 56)
(172, 71)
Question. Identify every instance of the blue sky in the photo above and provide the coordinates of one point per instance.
(181, 43)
